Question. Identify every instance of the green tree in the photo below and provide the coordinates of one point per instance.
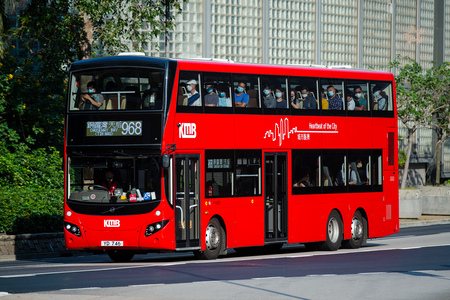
(412, 106)
(110, 22)
(438, 93)
(422, 101)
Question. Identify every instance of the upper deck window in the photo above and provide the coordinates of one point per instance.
(117, 89)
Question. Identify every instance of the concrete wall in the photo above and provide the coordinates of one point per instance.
(31, 245)
(424, 200)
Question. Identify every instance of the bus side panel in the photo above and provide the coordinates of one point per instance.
(307, 219)
(207, 131)
(243, 218)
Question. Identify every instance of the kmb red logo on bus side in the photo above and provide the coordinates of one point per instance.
(187, 130)
(111, 223)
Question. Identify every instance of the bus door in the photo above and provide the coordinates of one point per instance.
(275, 195)
(187, 202)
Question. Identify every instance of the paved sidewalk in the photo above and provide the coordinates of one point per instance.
(424, 220)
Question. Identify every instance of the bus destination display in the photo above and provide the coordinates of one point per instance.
(114, 128)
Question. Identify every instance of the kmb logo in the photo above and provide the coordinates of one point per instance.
(111, 223)
(187, 130)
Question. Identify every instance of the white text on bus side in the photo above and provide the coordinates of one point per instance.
(187, 130)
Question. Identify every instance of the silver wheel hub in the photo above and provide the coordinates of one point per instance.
(357, 229)
(212, 237)
(333, 230)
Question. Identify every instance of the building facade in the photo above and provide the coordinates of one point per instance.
(359, 33)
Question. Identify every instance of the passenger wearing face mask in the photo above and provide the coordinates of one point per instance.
(350, 101)
(240, 98)
(360, 102)
(269, 100)
(280, 101)
(308, 100)
(295, 102)
(324, 99)
(193, 95)
(334, 101)
(379, 97)
(211, 98)
(92, 100)
(224, 101)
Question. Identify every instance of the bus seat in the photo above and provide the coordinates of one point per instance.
(181, 97)
(111, 102)
(354, 168)
(253, 99)
(326, 177)
(134, 99)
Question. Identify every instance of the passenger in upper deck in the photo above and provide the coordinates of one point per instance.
(379, 97)
(280, 101)
(91, 100)
(211, 98)
(334, 100)
(295, 102)
(350, 101)
(240, 98)
(360, 102)
(308, 100)
(224, 101)
(324, 99)
(269, 100)
(193, 95)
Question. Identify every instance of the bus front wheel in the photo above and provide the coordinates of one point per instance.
(359, 232)
(333, 233)
(214, 239)
(120, 255)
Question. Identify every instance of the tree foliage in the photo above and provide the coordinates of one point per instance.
(422, 101)
(51, 35)
(110, 22)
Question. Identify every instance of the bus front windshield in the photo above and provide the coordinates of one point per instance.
(114, 179)
(117, 89)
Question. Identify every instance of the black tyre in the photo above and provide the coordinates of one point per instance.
(120, 255)
(215, 240)
(333, 232)
(359, 232)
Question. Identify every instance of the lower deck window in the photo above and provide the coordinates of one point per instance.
(331, 171)
(233, 173)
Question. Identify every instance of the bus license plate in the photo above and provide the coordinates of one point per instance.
(112, 243)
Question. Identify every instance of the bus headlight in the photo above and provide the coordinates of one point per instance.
(155, 227)
(73, 229)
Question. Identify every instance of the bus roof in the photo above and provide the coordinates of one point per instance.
(212, 65)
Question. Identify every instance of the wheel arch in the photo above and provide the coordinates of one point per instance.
(222, 223)
(364, 215)
(342, 218)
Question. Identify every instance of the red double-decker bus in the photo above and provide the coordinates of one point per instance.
(204, 156)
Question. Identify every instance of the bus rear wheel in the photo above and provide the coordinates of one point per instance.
(333, 233)
(359, 232)
(120, 255)
(214, 239)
